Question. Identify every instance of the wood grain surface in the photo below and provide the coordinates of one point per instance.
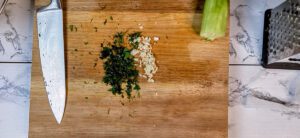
(188, 99)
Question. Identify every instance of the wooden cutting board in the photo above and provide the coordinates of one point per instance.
(188, 99)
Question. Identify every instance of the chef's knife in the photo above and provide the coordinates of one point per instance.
(51, 45)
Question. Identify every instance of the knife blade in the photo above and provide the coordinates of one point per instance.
(51, 46)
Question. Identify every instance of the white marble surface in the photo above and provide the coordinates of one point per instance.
(16, 23)
(14, 100)
(16, 27)
(246, 29)
(263, 103)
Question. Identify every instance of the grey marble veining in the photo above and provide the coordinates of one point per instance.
(246, 29)
(16, 29)
(261, 123)
(275, 86)
(14, 100)
(16, 23)
(263, 103)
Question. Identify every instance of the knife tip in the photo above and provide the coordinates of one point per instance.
(59, 115)
(59, 118)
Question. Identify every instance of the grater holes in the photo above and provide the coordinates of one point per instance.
(296, 12)
(295, 5)
(276, 15)
(284, 28)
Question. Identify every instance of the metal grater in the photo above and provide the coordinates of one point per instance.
(281, 44)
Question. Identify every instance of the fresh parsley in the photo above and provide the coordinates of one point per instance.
(119, 65)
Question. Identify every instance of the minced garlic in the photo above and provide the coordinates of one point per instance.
(145, 58)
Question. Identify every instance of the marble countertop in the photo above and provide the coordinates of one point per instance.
(263, 103)
(16, 29)
(14, 100)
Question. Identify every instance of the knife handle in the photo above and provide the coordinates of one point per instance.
(54, 4)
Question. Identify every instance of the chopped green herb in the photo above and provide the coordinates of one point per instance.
(119, 39)
(96, 29)
(91, 20)
(111, 18)
(120, 71)
(133, 39)
(130, 115)
(122, 103)
(105, 21)
(71, 27)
